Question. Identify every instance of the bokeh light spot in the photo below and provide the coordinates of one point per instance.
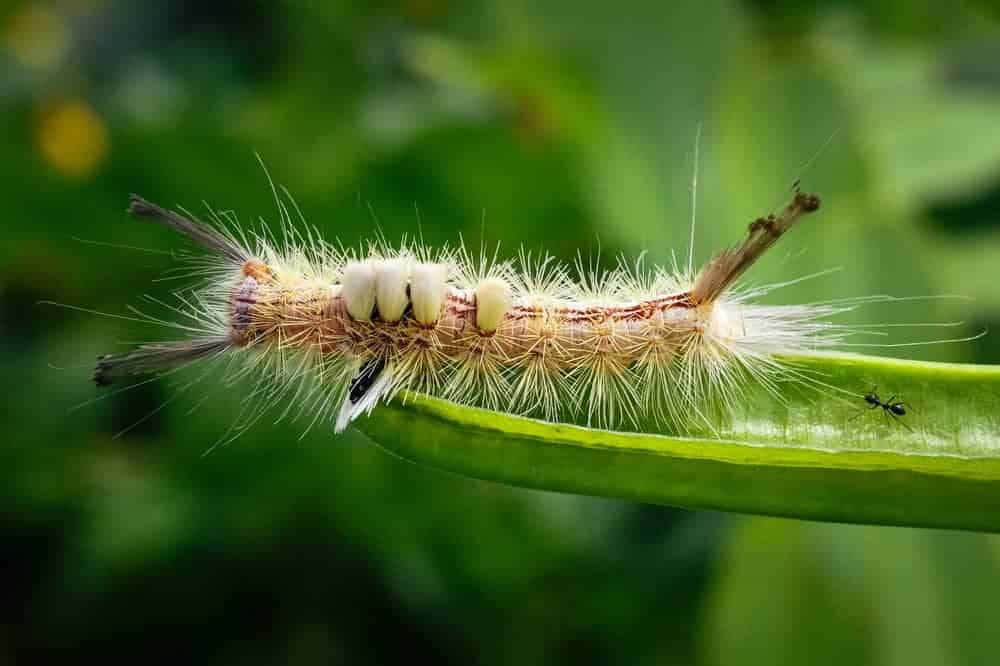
(72, 138)
(37, 37)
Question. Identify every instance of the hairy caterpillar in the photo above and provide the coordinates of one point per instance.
(344, 329)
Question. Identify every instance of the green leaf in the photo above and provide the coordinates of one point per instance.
(796, 592)
(817, 456)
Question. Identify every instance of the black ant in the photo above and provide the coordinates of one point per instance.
(891, 407)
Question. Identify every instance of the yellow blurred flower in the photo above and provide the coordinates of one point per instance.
(72, 138)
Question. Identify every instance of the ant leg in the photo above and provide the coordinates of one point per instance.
(863, 411)
(899, 421)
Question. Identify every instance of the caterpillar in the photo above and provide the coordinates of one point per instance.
(341, 330)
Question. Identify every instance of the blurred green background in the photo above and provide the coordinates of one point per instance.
(560, 125)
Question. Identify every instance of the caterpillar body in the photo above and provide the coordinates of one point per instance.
(344, 330)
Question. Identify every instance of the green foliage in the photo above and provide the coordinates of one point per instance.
(570, 125)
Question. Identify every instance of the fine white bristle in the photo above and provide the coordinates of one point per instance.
(392, 278)
(493, 300)
(427, 291)
(358, 287)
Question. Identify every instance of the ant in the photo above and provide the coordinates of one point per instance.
(891, 407)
